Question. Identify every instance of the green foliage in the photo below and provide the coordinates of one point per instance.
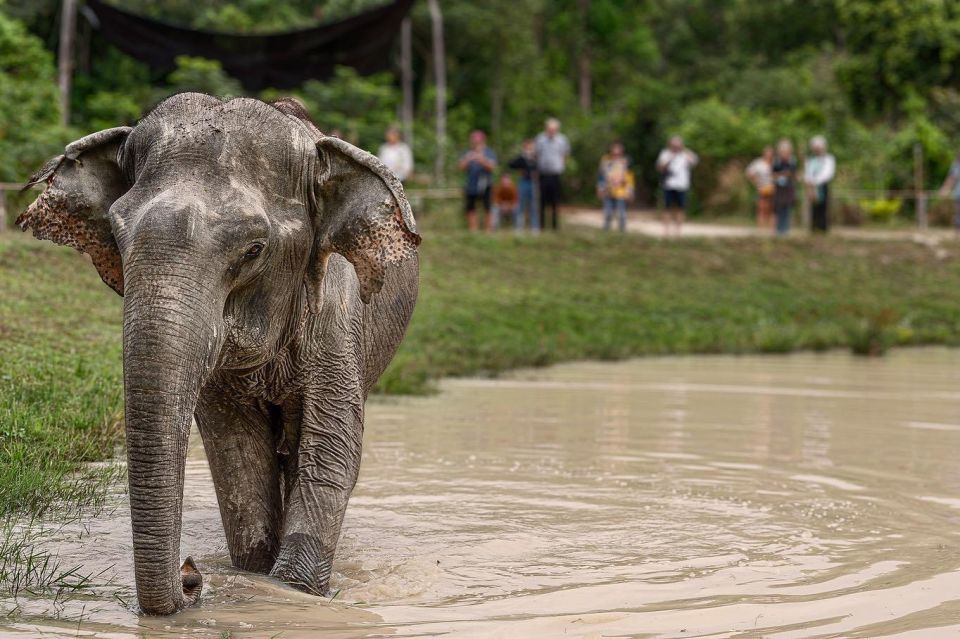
(876, 77)
(361, 108)
(492, 303)
(30, 128)
(722, 131)
(61, 383)
(205, 76)
(881, 210)
(897, 47)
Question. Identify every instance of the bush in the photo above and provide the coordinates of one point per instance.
(30, 129)
(205, 76)
(361, 108)
(882, 210)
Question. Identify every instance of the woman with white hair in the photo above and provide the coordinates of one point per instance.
(817, 174)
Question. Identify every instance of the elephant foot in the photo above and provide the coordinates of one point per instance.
(299, 565)
(192, 581)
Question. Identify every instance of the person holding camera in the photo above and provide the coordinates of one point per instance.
(675, 163)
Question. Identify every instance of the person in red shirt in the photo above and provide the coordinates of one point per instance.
(506, 201)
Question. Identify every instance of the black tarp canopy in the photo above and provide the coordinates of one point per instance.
(281, 60)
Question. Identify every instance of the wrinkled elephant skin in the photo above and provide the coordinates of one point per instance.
(268, 275)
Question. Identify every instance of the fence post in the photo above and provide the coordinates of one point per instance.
(921, 194)
(3, 209)
(804, 191)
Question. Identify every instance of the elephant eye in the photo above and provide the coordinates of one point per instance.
(254, 250)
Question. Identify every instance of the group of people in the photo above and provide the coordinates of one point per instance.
(539, 167)
(774, 174)
(532, 199)
(616, 184)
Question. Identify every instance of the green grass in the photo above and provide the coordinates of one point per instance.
(60, 378)
(487, 304)
(490, 304)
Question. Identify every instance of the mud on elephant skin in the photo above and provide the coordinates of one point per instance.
(268, 274)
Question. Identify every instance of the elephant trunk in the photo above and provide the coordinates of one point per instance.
(169, 340)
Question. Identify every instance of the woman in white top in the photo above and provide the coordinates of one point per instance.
(760, 174)
(396, 154)
(674, 165)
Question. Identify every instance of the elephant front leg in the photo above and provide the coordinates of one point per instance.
(328, 460)
(240, 444)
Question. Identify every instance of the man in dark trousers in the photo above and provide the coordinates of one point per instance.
(552, 149)
(818, 172)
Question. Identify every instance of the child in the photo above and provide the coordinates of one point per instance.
(615, 186)
(506, 201)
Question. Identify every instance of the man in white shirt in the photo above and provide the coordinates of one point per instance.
(396, 154)
(553, 149)
(674, 165)
(817, 174)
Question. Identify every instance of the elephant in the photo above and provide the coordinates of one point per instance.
(268, 274)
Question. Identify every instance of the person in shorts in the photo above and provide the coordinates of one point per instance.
(478, 164)
(675, 163)
(760, 174)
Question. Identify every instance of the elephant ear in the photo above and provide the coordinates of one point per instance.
(362, 214)
(73, 209)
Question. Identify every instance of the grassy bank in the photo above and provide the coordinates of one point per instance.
(487, 304)
(60, 378)
(494, 303)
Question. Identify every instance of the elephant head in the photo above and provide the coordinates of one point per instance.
(214, 220)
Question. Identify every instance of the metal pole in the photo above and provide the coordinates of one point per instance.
(68, 33)
(406, 78)
(440, 77)
(921, 195)
(805, 191)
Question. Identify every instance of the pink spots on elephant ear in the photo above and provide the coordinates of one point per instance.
(65, 218)
(386, 241)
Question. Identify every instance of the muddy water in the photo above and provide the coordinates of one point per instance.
(795, 496)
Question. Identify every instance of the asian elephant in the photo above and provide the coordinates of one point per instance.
(268, 273)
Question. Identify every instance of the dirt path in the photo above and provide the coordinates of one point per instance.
(646, 222)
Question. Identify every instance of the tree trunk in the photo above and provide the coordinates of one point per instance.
(406, 78)
(68, 33)
(584, 70)
(440, 77)
(496, 99)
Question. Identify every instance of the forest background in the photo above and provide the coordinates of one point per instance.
(877, 77)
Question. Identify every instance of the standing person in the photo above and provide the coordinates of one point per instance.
(396, 154)
(553, 149)
(506, 201)
(674, 165)
(478, 163)
(526, 165)
(818, 171)
(784, 194)
(760, 174)
(615, 186)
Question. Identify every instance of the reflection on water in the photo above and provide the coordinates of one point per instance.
(788, 496)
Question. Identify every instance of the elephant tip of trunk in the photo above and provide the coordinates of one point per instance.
(192, 581)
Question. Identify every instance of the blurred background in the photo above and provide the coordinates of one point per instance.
(877, 78)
